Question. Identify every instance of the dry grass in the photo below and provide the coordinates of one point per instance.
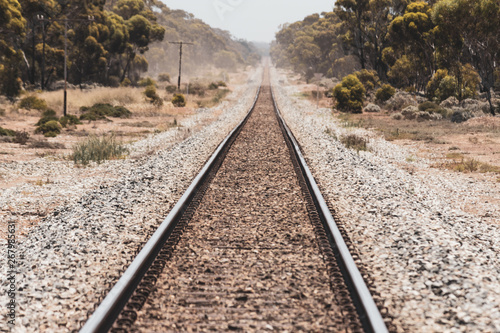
(461, 164)
(356, 142)
(78, 98)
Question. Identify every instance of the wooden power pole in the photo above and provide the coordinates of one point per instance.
(180, 61)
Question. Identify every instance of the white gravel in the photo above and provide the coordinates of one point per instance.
(436, 267)
(103, 213)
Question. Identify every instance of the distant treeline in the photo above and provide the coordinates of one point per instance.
(441, 48)
(122, 40)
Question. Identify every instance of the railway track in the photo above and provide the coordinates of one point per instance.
(251, 246)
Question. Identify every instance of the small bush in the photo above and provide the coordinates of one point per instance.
(197, 88)
(410, 112)
(220, 96)
(384, 93)
(434, 109)
(49, 129)
(427, 105)
(121, 112)
(98, 149)
(7, 132)
(126, 82)
(100, 111)
(38, 144)
(114, 81)
(69, 120)
(47, 115)
(397, 116)
(33, 102)
(179, 100)
(21, 137)
(372, 108)
(460, 116)
(399, 101)
(146, 82)
(153, 97)
(449, 102)
(368, 78)
(350, 94)
(96, 112)
(353, 141)
(216, 85)
(164, 77)
(171, 89)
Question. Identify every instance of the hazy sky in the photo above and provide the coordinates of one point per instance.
(253, 20)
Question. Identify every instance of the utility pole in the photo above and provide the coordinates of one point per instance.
(42, 19)
(180, 61)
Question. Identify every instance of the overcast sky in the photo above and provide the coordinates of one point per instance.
(253, 20)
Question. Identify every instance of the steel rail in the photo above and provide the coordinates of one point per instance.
(370, 315)
(105, 315)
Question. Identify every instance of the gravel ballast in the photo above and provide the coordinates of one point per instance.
(70, 258)
(435, 266)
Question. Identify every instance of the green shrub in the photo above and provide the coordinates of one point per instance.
(368, 78)
(33, 102)
(164, 77)
(98, 149)
(100, 111)
(153, 97)
(96, 112)
(7, 132)
(432, 108)
(49, 129)
(47, 115)
(447, 88)
(349, 94)
(146, 82)
(179, 100)
(126, 82)
(384, 93)
(171, 89)
(441, 85)
(121, 112)
(427, 105)
(216, 85)
(69, 120)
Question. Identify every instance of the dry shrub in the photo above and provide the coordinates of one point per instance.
(21, 138)
(43, 144)
(353, 141)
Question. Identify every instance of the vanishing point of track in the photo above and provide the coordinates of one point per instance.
(251, 246)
